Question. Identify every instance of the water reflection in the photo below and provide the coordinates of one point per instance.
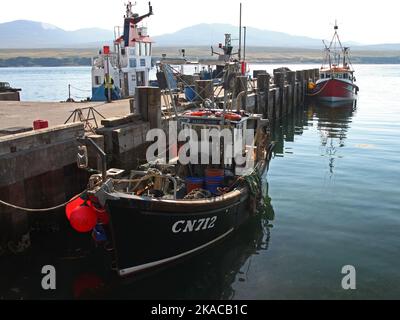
(286, 129)
(332, 123)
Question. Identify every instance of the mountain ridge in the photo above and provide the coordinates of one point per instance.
(14, 35)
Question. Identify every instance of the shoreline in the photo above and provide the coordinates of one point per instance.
(256, 62)
(10, 58)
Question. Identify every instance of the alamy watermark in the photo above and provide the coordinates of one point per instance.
(49, 279)
(349, 282)
(203, 146)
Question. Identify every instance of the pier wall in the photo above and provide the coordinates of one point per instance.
(37, 170)
(10, 96)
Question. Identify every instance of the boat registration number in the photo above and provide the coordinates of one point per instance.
(194, 225)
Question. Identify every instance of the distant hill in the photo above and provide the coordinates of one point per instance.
(30, 34)
(211, 34)
(24, 34)
(380, 47)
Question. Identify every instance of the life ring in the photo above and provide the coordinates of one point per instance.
(230, 116)
(233, 117)
(200, 113)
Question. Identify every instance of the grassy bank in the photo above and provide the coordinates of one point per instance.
(82, 57)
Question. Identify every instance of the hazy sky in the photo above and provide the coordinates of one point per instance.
(362, 21)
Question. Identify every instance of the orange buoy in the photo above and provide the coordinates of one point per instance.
(83, 219)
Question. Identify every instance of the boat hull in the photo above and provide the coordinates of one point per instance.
(147, 234)
(336, 91)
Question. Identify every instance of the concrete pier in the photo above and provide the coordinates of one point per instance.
(37, 170)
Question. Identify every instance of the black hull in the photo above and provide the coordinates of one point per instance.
(145, 238)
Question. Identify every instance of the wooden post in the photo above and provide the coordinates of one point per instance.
(279, 79)
(285, 100)
(241, 86)
(154, 107)
(263, 84)
(148, 105)
(271, 105)
(300, 75)
(256, 73)
(277, 103)
(316, 74)
(292, 90)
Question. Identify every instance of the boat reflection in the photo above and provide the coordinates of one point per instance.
(333, 125)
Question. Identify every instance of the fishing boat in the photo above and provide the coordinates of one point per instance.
(162, 213)
(337, 79)
(165, 210)
(128, 65)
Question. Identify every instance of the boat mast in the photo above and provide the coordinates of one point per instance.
(336, 45)
(240, 34)
(244, 45)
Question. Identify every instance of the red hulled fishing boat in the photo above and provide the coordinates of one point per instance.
(337, 80)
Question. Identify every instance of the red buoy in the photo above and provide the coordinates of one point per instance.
(83, 219)
(72, 206)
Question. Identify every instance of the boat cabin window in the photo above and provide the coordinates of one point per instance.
(142, 62)
(340, 76)
(142, 50)
(322, 76)
(97, 80)
(132, 63)
(345, 76)
(137, 49)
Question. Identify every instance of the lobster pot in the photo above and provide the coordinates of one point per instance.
(205, 89)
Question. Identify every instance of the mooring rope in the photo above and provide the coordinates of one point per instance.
(78, 89)
(319, 91)
(41, 210)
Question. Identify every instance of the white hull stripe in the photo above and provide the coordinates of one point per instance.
(161, 262)
(338, 99)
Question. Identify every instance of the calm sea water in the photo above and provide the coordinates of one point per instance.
(334, 186)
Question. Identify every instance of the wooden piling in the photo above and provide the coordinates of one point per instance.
(291, 76)
(263, 86)
(148, 105)
(241, 86)
(279, 80)
(256, 73)
(271, 105)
